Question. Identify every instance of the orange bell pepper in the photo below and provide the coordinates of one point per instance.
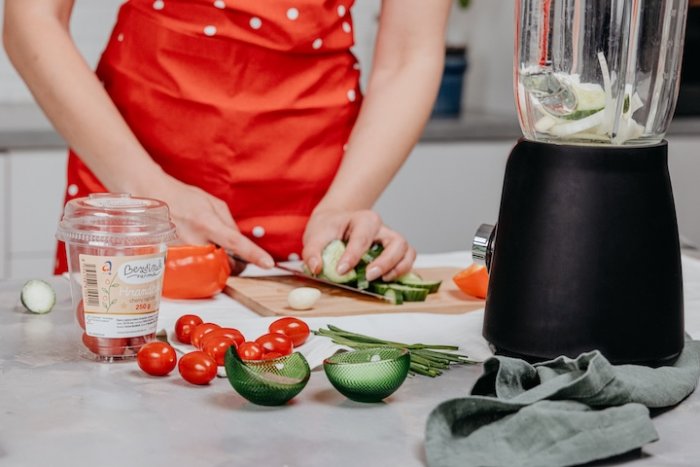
(195, 271)
(473, 281)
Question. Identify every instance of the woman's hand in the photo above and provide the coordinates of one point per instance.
(360, 229)
(201, 218)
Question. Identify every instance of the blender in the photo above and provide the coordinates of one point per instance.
(585, 254)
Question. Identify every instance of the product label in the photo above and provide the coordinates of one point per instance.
(121, 294)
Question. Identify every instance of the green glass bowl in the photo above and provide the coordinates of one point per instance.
(267, 382)
(368, 375)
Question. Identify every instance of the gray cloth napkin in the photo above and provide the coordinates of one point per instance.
(558, 413)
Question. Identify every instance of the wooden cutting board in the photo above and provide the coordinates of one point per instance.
(267, 296)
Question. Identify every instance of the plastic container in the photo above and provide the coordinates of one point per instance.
(598, 71)
(116, 247)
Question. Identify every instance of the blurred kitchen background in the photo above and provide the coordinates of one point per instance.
(450, 184)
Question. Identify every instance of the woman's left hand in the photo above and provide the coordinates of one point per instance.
(360, 229)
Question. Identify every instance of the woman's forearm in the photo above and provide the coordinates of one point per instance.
(38, 43)
(398, 101)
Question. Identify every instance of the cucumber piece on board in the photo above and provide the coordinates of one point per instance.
(414, 280)
(394, 296)
(331, 256)
(410, 293)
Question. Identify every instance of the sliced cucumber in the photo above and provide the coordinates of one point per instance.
(379, 287)
(410, 293)
(373, 253)
(414, 280)
(362, 282)
(38, 296)
(331, 256)
(394, 296)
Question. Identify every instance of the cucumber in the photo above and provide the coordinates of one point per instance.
(394, 296)
(362, 282)
(38, 296)
(331, 255)
(379, 287)
(373, 253)
(410, 293)
(414, 280)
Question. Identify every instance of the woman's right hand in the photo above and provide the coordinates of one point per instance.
(202, 218)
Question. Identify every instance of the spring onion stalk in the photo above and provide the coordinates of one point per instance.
(426, 359)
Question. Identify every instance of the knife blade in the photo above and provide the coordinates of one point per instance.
(298, 273)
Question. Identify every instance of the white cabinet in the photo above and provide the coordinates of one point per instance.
(444, 192)
(33, 188)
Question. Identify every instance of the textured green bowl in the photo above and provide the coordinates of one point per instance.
(267, 382)
(368, 375)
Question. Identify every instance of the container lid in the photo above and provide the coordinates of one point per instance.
(117, 219)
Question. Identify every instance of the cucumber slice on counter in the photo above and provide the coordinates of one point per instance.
(38, 296)
(394, 296)
(409, 293)
(414, 280)
(331, 256)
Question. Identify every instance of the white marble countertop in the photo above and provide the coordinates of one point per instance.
(60, 410)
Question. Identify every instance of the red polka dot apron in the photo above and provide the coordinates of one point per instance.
(250, 100)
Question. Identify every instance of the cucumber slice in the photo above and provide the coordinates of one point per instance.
(379, 287)
(331, 255)
(362, 282)
(414, 280)
(394, 296)
(373, 253)
(410, 293)
(38, 296)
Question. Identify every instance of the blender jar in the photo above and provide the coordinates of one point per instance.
(598, 71)
(116, 247)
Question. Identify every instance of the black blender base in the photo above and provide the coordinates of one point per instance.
(586, 256)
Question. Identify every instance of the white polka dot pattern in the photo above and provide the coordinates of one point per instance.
(220, 4)
(352, 95)
(158, 5)
(346, 27)
(293, 14)
(258, 231)
(120, 38)
(293, 257)
(210, 30)
(255, 22)
(342, 10)
(317, 43)
(72, 189)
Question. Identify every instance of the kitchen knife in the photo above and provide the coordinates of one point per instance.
(298, 273)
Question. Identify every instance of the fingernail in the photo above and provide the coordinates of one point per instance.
(268, 263)
(373, 273)
(313, 265)
(343, 268)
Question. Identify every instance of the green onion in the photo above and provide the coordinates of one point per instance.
(426, 359)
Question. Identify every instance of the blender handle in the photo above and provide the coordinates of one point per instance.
(483, 244)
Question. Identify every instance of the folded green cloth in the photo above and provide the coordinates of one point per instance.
(558, 413)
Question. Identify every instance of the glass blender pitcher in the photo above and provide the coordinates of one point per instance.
(585, 254)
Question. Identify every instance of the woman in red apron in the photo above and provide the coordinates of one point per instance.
(244, 115)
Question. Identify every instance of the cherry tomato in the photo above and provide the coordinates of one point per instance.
(271, 355)
(199, 331)
(197, 367)
(156, 358)
(80, 314)
(231, 333)
(106, 346)
(275, 342)
(250, 351)
(217, 346)
(294, 328)
(184, 326)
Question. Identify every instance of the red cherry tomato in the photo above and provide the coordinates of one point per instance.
(233, 334)
(184, 326)
(156, 358)
(217, 346)
(197, 367)
(275, 342)
(199, 331)
(294, 328)
(250, 351)
(80, 314)
(271, 355)
(106, 346)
